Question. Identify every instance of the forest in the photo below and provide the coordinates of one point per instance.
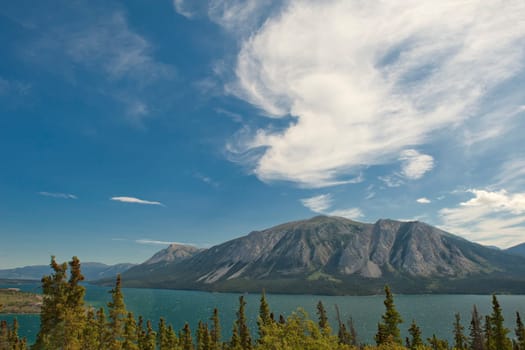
(67, 323)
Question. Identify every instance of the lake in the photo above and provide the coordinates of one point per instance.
(433, 313)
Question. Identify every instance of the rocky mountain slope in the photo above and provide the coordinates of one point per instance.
(334, 255)
(91, 271)
(517, 249)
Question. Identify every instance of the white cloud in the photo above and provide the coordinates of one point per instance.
(423, 200)
(414, 164)
(321, 203)
(318, 203)
(181, 9)
(350, 213)
(365, 85)
(58, 195)
(157, 242)
(490, 217)
(135, 200)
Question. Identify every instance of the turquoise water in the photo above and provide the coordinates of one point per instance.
(433, 313)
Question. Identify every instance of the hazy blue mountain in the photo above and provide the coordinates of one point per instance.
(91, 271)
(333, 255)
(517, 249)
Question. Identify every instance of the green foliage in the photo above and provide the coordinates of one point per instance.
(500, 341)
(520, 333)
(215, 333)
(62, 316)
(264, 319)
(388, 330)
(66, 324)
(476, 340)
(460, 341)
(245, 339)
(415, 342)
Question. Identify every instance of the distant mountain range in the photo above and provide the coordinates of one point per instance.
(334, 255)
(91, 271)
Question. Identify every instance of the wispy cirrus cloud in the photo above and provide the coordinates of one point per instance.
(360, 102)
(135, 200)
(96, 39)
(489, 217)
(322, 203)
(58, 195)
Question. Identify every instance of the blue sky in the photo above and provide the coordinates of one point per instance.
(130, 124)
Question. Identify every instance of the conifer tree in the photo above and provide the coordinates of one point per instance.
(235, 341)
(264, 320)
(499, 332)
(520, 332)
(130, 341)
(185, 338)
(163, 340)
(245, 338)
(342, 334)
(415, 340)
(476, 341)
(215, 333)
(102, 333)
(487, 332)
(89, 336)
(388, 330)
(203, 336)
(150, 340)
(460, 341)
(324, 326)
(54, 288)
(117, 315)
(352, 330)
(172, 339)
(437, 344)
(62, 315)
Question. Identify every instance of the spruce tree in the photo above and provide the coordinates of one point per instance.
(203, 336)
(476, 341)
(163, 340)
(186, 340)
(117, 315)
(342, 333)
(520, 332)
(89, 336)
(130, 341)
(235, 341)
(102, 333)
(460, 341)
(242, 325)
(352, 330)
(324, 326)
(487, 332)
(388, 330)
(150, 341)
(415, 340)
(264, 320)
(215, 331)
(499, 332)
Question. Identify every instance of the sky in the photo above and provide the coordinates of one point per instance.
(129, 125)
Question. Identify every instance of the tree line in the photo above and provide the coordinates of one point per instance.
(66, 323)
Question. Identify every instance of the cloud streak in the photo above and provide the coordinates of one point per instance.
(134, 200)
(322, 203)
(371, 86)
(58, 195)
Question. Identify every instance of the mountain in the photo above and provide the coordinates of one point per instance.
(91, 271)
(517, 249)
(333, 255)
(173, 254)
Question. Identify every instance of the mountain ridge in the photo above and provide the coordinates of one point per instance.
(334, 255)
(91, 270)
